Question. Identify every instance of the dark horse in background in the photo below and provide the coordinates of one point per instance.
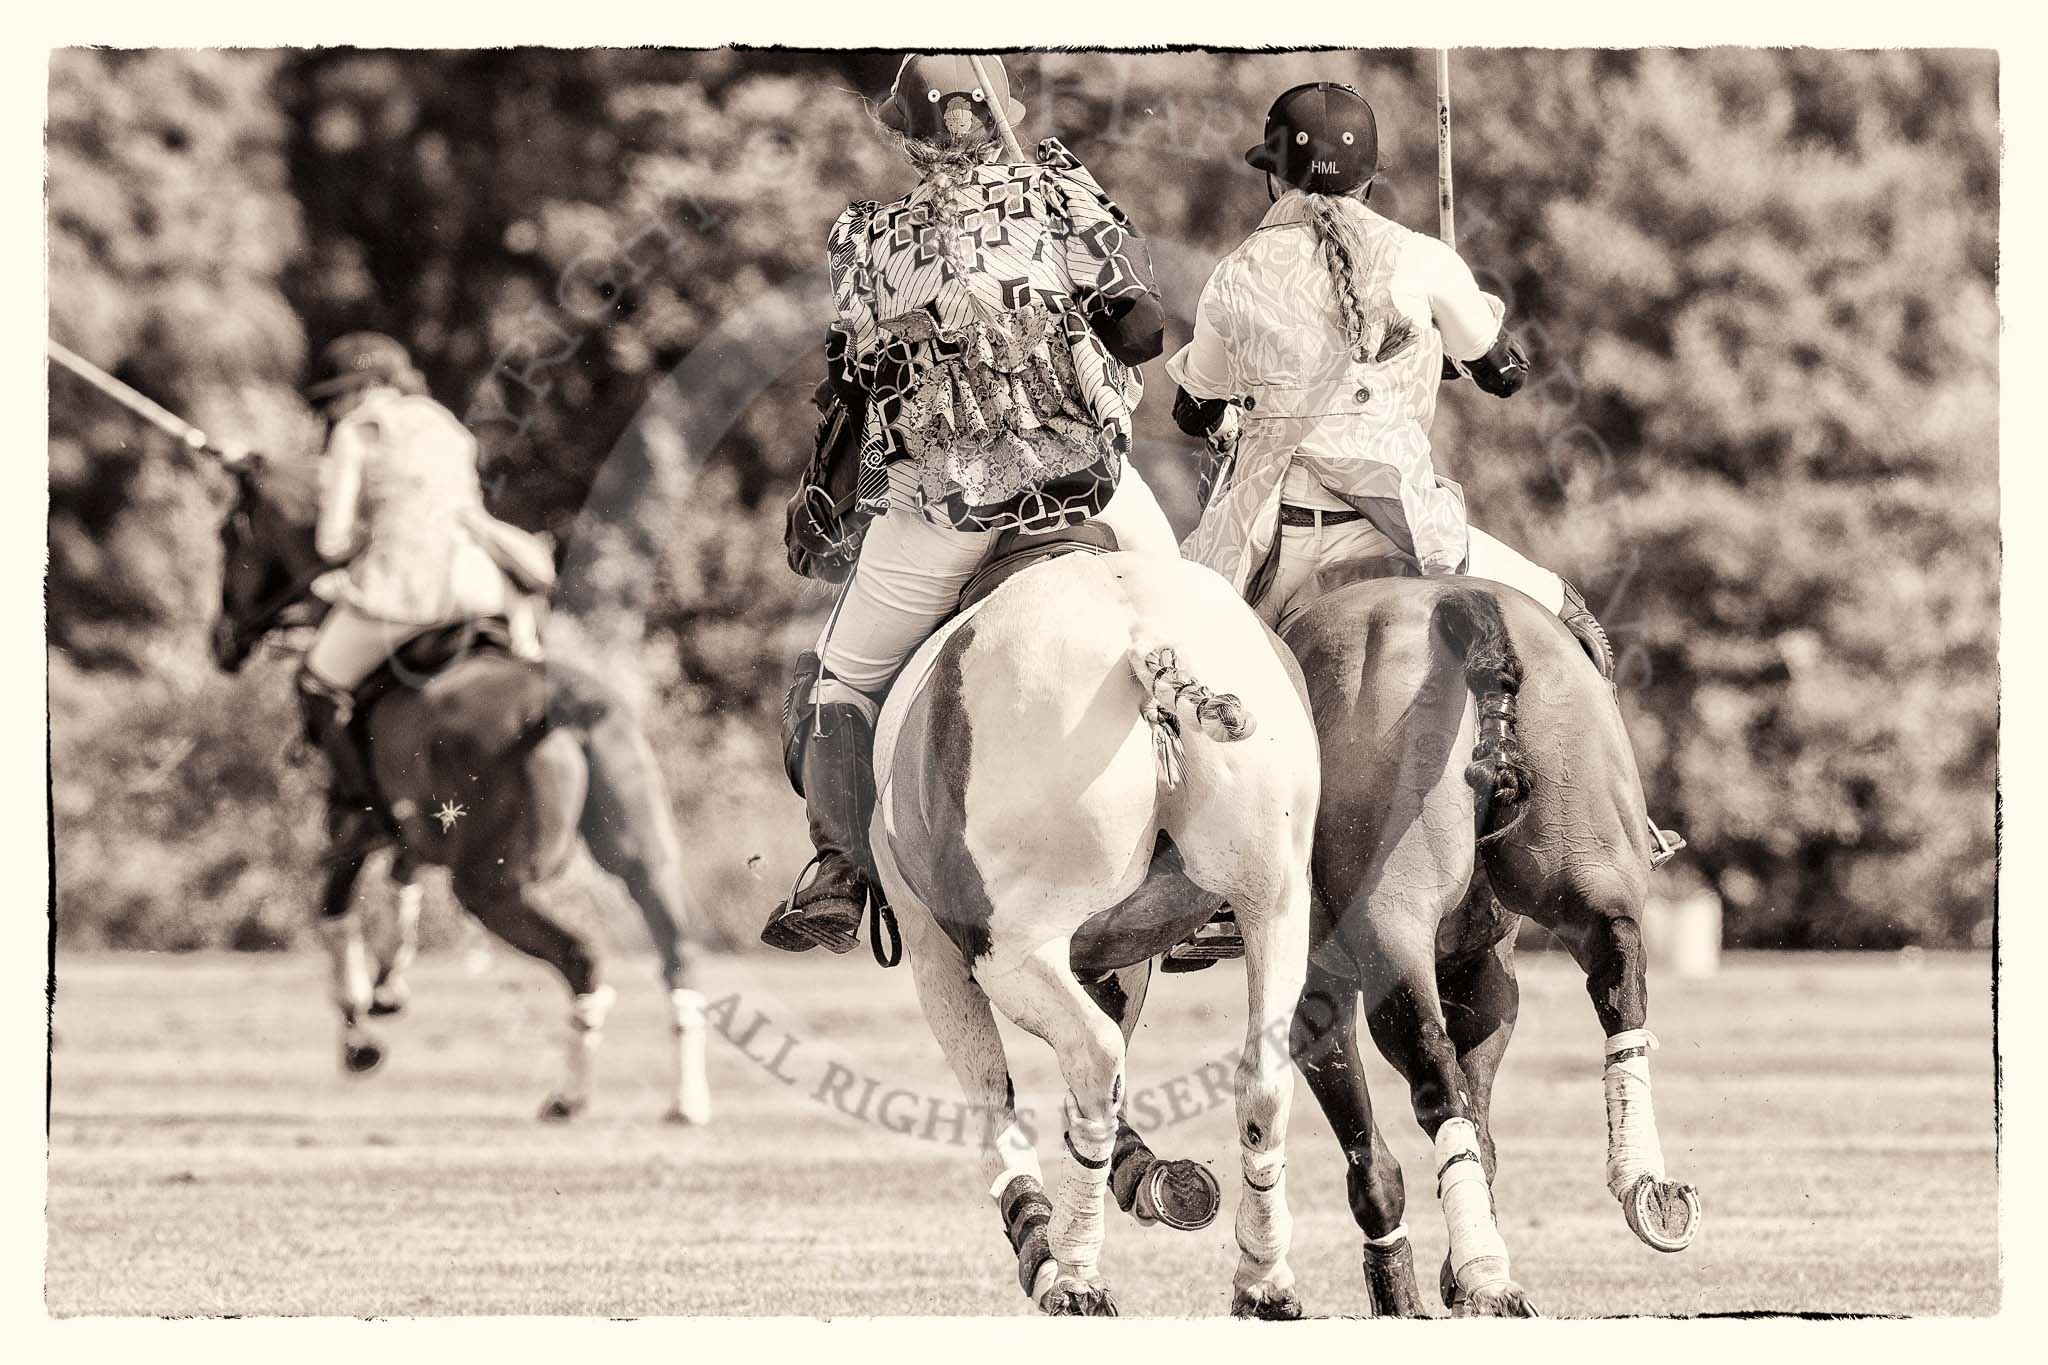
(1475, 769)
(489, 766)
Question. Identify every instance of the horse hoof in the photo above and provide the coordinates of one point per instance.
(1504, 1300)
(1390, 1281)
(681, 1117)
(1181, 1194)
(1665, 1214)
(360, 1059)
(384, 1006)
(1070, 1298)
(1273, 1305)
(560, 1109)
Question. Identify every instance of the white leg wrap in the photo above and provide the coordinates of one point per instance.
(1394, 1238)
(406, 945)
(586, 1030)
(1009, 1156)
(693, 1086)
(348, 963)
(1264, 1226)
(1077, 1211)
(1479, 1257)
(1632, 1147)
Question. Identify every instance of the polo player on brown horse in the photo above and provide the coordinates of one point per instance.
(1318, 347)
(448, 740)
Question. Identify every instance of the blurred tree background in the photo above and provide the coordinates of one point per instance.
(1760, 287)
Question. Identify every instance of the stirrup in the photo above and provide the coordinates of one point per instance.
(1668, 843)
(789, 927)
(1217, 941)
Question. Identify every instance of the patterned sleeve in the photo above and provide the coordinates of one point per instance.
(851, 342)
(1107, 259)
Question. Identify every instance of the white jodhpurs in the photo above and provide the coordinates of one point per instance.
(910, 573)
(1305, 551)
(350, 644)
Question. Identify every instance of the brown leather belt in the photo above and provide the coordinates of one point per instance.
(1290, 515)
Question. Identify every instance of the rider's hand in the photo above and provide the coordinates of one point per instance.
(328, 587)
(1223, 436)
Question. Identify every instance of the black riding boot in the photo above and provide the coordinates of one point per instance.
(1579, 619)
(352, 800)
(839, 792)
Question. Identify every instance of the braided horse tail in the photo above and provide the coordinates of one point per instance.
(1469, 622)
(1174, 700)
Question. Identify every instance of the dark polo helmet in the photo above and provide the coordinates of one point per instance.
(361, 359)
(929, 88)
(1320, 137)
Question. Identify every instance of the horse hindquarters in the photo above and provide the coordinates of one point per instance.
(495, 795)
(1394, 668)
(1024, 796)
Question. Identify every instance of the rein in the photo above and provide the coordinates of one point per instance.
(246, 634)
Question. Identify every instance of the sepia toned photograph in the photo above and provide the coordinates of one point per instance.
(851, 682)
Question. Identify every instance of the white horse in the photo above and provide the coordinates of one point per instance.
(1060, 795)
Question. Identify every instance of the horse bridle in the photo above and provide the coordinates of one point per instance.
(245, 635)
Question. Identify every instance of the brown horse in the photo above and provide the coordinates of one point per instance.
(1475, 769)
(491, 768)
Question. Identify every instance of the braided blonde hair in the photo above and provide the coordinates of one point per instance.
(947, 166)
(1343, 252)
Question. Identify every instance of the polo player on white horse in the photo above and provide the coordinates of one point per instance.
(1319, 344)
(989, 327)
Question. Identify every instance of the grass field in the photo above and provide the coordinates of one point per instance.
(207, 1156)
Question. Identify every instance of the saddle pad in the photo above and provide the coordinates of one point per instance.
(1015, 552)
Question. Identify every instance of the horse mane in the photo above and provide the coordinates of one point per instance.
(290, 486)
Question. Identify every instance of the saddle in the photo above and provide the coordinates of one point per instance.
(425, 657)
(1016, 550)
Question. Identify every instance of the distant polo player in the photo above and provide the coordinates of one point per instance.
(402, 514)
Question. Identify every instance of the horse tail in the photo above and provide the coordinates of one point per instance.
(1174, 701)
(1469, 622)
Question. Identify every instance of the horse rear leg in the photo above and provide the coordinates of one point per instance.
(628, 825)
(1595, 911)
(1325, 1046)
(1407, 1020)
(1041, 994)
(340, 927)
(960, 1018)
(1179, 1193)
(510, 909)
(1275, 929)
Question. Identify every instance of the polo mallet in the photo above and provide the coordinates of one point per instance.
(1446, 216)
(995, 106)
(1446, 219)
(150, 411)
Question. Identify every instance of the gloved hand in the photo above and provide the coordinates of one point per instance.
(1503, 370)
